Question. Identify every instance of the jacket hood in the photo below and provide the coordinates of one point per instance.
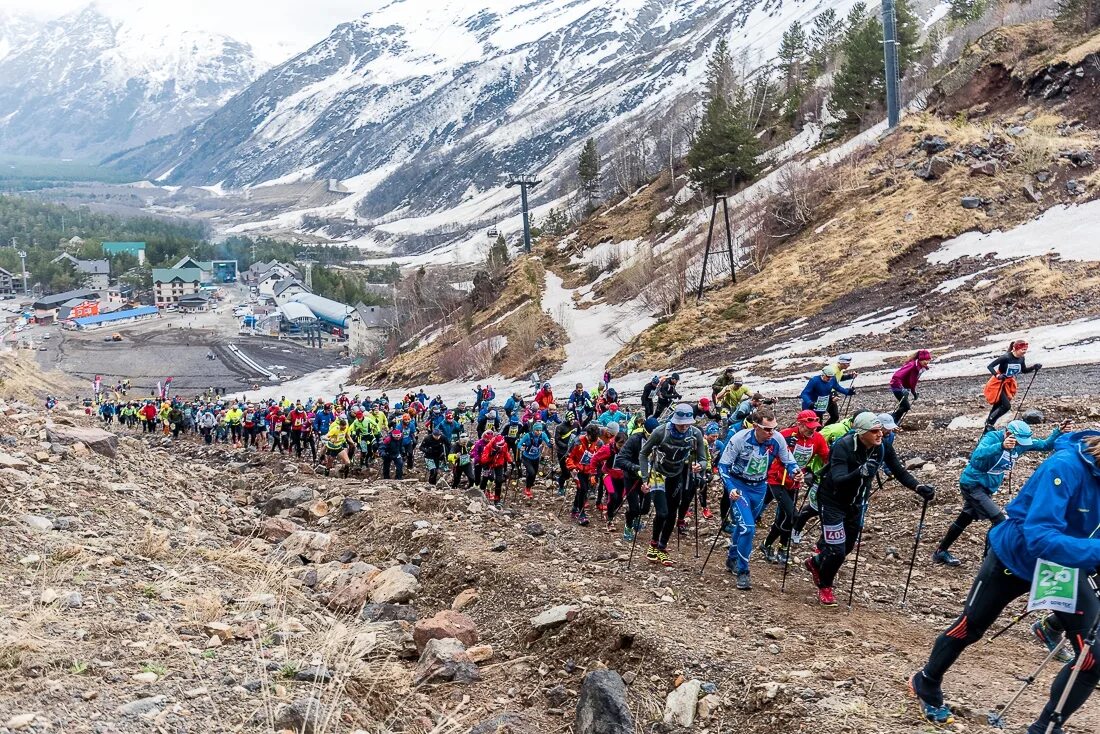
(1076, 442)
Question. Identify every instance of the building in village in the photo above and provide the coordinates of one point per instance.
(95, 273)
(172, 284)
(137, 249)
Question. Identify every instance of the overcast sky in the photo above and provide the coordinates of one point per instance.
(276, 29)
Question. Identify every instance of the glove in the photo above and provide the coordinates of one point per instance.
(851, 391)
(926, 491)
(1038, 366)
(1001, 377)
(869, 469)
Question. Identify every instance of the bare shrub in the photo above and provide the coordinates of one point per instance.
(203, 607)
(453, 362)
(786, 212)
(660, 283)
(1034, 153)
(153, 543)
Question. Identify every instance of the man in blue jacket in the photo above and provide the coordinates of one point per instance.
(994, 457)
(819, 391)
(1055, 518)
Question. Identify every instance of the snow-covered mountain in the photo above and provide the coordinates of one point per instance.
(419, 108)
(87, 84)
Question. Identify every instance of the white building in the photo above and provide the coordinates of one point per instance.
(368, 327)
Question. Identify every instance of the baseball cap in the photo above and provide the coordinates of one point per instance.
(705, 402)
(887, 421)
(1021, 431)
(865, 422)
(683, 415)
(809, 419)
(829, 371)
(844, 359)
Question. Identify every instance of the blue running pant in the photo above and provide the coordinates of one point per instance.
(743, 514)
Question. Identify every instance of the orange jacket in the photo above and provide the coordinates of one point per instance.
(496, 453)
(576, 460)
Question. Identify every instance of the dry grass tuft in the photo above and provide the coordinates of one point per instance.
(153, 543)
(203, 607)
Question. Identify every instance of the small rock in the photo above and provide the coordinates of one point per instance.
(70, 600)
(21, 721)
(445, 659)
(37, 522)
(1031, 195)
(505, 724)
(480, 653)
(971, 202)
(286, 499)
(1043, 176)
(314, 674)
(350, 506)
(147, 677)
(557, 695)
(775, 633)
(307, 545)
(142, 706)
(221, 630)
(1033, 417)
(303, 715)
(393, 586)
(681, 704)
(389, 613)
(707, 706)
(534, 529)
(465, 598)
(934, 144)
(555, 617)
(985, 168)
(277, 529)
(602, 707)
(30, 560)
(445, 624)
(196, 692)
(499, 547)
(915, 462)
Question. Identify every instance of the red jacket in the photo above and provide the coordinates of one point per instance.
(603, 461)
(544, 397)
(496, 453)
(298, 419)
(149, 411)
(575, 461)
(803, 451)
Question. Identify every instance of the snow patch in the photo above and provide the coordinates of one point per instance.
(1066, 231)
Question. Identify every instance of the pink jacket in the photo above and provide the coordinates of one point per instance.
(906, 378)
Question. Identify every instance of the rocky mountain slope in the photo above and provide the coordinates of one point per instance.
(86, 85)
(166, 585)
(426, 114)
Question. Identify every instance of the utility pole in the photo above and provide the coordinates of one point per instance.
(890, 49)
(525, 183)
(23, 259)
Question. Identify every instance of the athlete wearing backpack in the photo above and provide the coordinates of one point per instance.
(668, 456)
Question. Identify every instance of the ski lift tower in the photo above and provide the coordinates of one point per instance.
(525, 183)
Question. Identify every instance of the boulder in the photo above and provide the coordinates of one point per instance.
(303, 715)
(351, 586)
(307, 545)
(444, 624)
(286, 499)
(985, 168)
(680, 706)
(277, 529)
(602, 707)
(100, 441)
(555, 617)
(393, 586)
(10, 462)
(444, 660)
(387, 638)
(1033, 417)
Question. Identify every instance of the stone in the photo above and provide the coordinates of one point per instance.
(602, 707)
(30, 560)
(318, 509)
(351, 587)
(37, 522)
(555, 617)
(971, 202)
(1043, 176)
(393, 586)
(307, 545)
(507, 724)
(444, 624)
(277, 529)
(934, 144)
(147, 677)
(20, 721)
(221, 630)
(465, 598)
(480, 653)
(775, 633)
(499, 547)
(1074, 188)
(286, 499)
(303, 715)
(681, 704)
(1031, 195)
(915, 462)
(314, 674)
(445, 659)
(70, 600)
(534, 529)
(100, 441)
(350, 506)
(984, 168)
(196, 692)
(936, 168)
(10, 462)
(707, 706)
(388, 613)
(142, 706)
(557, 695)
(1033, 417)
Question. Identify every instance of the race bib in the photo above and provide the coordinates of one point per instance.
(821, 404)
(430, 464)
(811, 497)
(802, 454)
(1012, 370)
(1005, 463)
(757, 466)
(834, 534)
(1053, 587)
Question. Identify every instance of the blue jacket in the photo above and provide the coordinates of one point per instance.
(617, 416)
(816, 394)
(321, 422)
(451, 429)
(744, 459)
(990, 461)
(512, 404)
(1056, 516)
(530, 446)
(408, 434)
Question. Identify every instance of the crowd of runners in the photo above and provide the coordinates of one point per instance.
(670, 463)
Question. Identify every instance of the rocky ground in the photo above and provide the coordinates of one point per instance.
(160, 586)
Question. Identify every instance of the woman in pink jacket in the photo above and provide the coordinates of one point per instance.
(905, 381)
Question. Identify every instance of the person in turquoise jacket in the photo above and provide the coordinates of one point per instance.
(994, 457)
(1056, 518)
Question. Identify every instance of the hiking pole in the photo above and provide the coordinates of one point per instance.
(787, 560)
(997, 718)
(1020, 405)
(717, 535)
(1012, 623)
(848, 399)
(855, 565)
(1083, 657)
(913, 558)
(698, 484)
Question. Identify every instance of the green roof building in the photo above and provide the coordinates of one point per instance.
(137, 249)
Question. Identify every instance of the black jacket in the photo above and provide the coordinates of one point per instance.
(434, 448)
(647, 391)
(666, 393)
(843, 485)
(629, 457)
(563, 433)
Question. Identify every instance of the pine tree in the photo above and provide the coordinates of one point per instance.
(792, 64)
(724, 150)
(1078, 16)
(908, 28)
(498, 258)
(721, 78)
(825, 38)
(964, 11)
(588, 169)
(860, 83)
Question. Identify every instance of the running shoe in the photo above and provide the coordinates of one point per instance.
(783, 556)
(582, 519)
(651, 555)
(796, 538)
(826, 597)
(936, 713)
(663, 558)
(1050, 638)
(628, 534)
(707, 514)
(768, 552)
(812, 568)
(945, 558)
(528, 493)
(744, 583)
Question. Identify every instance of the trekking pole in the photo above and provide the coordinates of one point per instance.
(633, 545)
(1012, 623)
(787, 560)
(1020, 405)
(913, 558)
(997, 718)
(697, 488)
(1083, 657)
(848, 399)
(855, 565)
